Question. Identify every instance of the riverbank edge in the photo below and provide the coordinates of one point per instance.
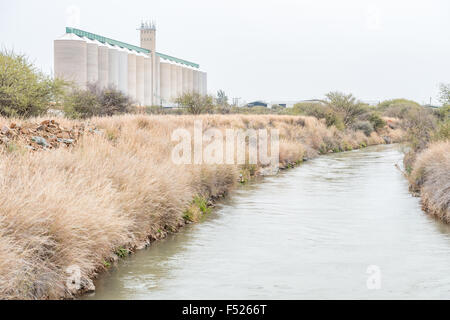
(247, 177)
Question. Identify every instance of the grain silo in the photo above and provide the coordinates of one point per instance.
(132, 75)
(205, 83)
(157, 81)
(179, 81)
(173, 82)
(70, 56)
(195, 81)
(113, 58)
(165, 82)
(123, 70)
(200, 82)
(185, 86)
(140, 78)
(191, 80)
(91, 61)
(148, 83)
(103, 65)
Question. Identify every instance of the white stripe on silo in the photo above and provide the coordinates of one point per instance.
(173, 82)
(103, 65)
(148, 83)
(140, 79)
(113, 56)
(165, 82)
(185, 80)
(132, 75)
(123, 71)
(70, 54)
(92, 61)
(195, 81)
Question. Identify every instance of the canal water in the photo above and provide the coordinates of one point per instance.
(342, 226)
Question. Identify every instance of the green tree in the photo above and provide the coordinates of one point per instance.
(222, 98)
(24, 90)
(195, 103)
(345, 105)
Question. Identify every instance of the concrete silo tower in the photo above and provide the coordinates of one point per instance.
(148, 41)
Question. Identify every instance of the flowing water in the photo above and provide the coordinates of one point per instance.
(342, 226)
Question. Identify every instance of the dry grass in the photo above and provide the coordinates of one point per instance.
(431, 177)
(76, 207)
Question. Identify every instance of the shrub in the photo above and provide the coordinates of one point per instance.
(195, 103)
(25, 91)
(397, 108)
(96, 102)
(376, 121)
(346, 106)
(364, 126)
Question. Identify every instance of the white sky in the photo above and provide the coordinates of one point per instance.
(272, 50)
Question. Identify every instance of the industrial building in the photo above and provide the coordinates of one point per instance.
(147, 76)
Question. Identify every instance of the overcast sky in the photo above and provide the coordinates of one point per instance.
(272, 50)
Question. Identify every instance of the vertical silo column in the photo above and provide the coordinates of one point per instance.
(195, 81)
(200, 83)
(123, 70)
(165, 82)
(70, 54)
(148, 83)
(191, 80)
(173, 82)
(140, 79)
(92, 61)
(205, 83)
(113, 56)
(157, 80)
(103, 65)
(179, 81)
(185, 80)
(132, 75)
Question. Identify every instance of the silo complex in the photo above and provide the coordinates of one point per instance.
(92, 61)
(132, 76)
(145, 75)
(140, 78)
(165, 82)
(71, 59)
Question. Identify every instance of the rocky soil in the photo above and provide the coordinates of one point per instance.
(45, 135)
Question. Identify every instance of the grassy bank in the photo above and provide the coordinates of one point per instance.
(114, 190)
(430, 178)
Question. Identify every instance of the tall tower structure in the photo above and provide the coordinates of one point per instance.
(148, 41)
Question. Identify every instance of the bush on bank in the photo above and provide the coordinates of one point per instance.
(25, 91)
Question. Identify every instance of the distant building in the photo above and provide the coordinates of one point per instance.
(257, 104)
